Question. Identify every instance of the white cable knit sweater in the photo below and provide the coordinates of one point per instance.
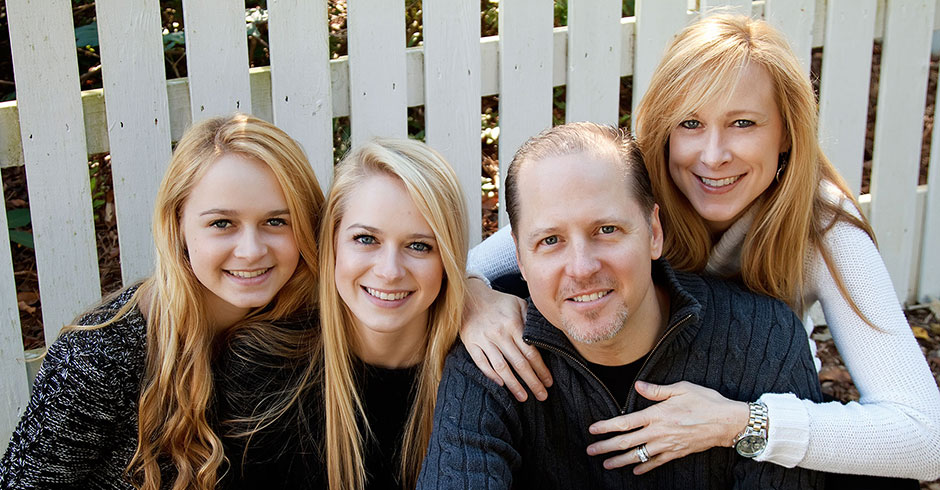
(894, 430)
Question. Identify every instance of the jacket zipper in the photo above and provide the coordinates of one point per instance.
(577, 361)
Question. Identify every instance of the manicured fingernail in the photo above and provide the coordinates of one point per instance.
(642, 384)
(591, 451)
(541, 396)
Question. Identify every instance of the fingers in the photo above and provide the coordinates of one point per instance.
(622, 423)
(520, 361)
(656, 392)
(496, 358)
(483, 364)
(620, 442)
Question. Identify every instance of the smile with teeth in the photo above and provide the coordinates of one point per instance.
(719, 182)
(387, 296)
(249, 274)
(584, 298)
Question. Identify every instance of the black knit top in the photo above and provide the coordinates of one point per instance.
(80, 427)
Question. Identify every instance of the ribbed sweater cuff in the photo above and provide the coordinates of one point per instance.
(789, 429)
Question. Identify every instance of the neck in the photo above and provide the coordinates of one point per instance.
(391, 350)
(640, 332)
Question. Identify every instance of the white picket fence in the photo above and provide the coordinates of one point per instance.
(52, 126)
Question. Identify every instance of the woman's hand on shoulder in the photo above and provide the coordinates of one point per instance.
(492, 334)
(688, 419)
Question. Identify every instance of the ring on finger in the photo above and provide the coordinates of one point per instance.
(642, 454)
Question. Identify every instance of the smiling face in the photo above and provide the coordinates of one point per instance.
(237, 230)
(725, 155)
(388, 267)
(585, 248)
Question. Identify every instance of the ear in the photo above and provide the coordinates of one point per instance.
(515, 243)
(656, 234)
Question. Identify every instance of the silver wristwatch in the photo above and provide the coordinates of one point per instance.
(753, 439)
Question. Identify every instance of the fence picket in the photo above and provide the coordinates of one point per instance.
(658, 21)
(300, 78)
(452, 94)
(14, 389)
(928, 285)
(216, 57)
(593, 86)
(53, 134)
(795, 19)
(736, 6)
(139, 122)
(377, 76)
(843, 94)
(905, 62)
(525, 79)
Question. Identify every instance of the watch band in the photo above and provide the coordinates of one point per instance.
(755, 432)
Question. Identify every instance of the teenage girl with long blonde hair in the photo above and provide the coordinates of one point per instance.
(122, 398)
(393, 247)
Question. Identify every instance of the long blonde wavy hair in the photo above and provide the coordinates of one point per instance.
(177, 383)
(702, 64)
(436, 193)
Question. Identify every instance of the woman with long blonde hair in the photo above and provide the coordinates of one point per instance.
(393, 246)
(728, 128)
(122, 398)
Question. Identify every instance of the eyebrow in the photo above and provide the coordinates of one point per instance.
(372, 229)
(232, 212)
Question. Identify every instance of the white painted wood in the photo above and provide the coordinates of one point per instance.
(735, 6)
(593, 90)
(53, 134)
(452, 90)
(139, 122)
(525, 79)
(844, 81)
(928, 279)
(300, 78)
(658, 21)
(896, 160)
(795, 19)
(14, 388)
(216, 57)
(377, 87)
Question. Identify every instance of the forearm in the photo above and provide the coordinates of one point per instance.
(494, 257)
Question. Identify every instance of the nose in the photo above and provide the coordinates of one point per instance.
(715, 151)
(250, 245)
(582, 260)
(388, 265)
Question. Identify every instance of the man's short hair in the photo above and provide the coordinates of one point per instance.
(594, 140)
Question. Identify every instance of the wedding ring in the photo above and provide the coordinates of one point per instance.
(642, 454)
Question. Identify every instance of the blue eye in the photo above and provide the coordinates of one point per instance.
(276, 222)
(690, 124)
(419, 247)
(220, 224)
(743, 123)
(365, 239)
(550, 240)
(608, 229)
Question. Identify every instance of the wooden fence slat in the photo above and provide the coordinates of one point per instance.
(300, 78)
(844, 82)
(139, 122)
(53, 134)
(14, 388)
(377, 75)
(216, 57)
(737, 6)
(658, 21)
(928, 279)
(905, 61)
(593, 89)
(452, 94)
(525, 79)
(795, 19)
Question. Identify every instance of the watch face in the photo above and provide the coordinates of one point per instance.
(750, 446)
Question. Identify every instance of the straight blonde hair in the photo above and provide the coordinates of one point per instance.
(435, 191)
(177, 383)
(702, 64)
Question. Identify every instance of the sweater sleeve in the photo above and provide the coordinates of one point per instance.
(66, 429)
(494, 257)
(894, 429)
(471, 446)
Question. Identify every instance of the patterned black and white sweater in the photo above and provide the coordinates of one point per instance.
(80, 427)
